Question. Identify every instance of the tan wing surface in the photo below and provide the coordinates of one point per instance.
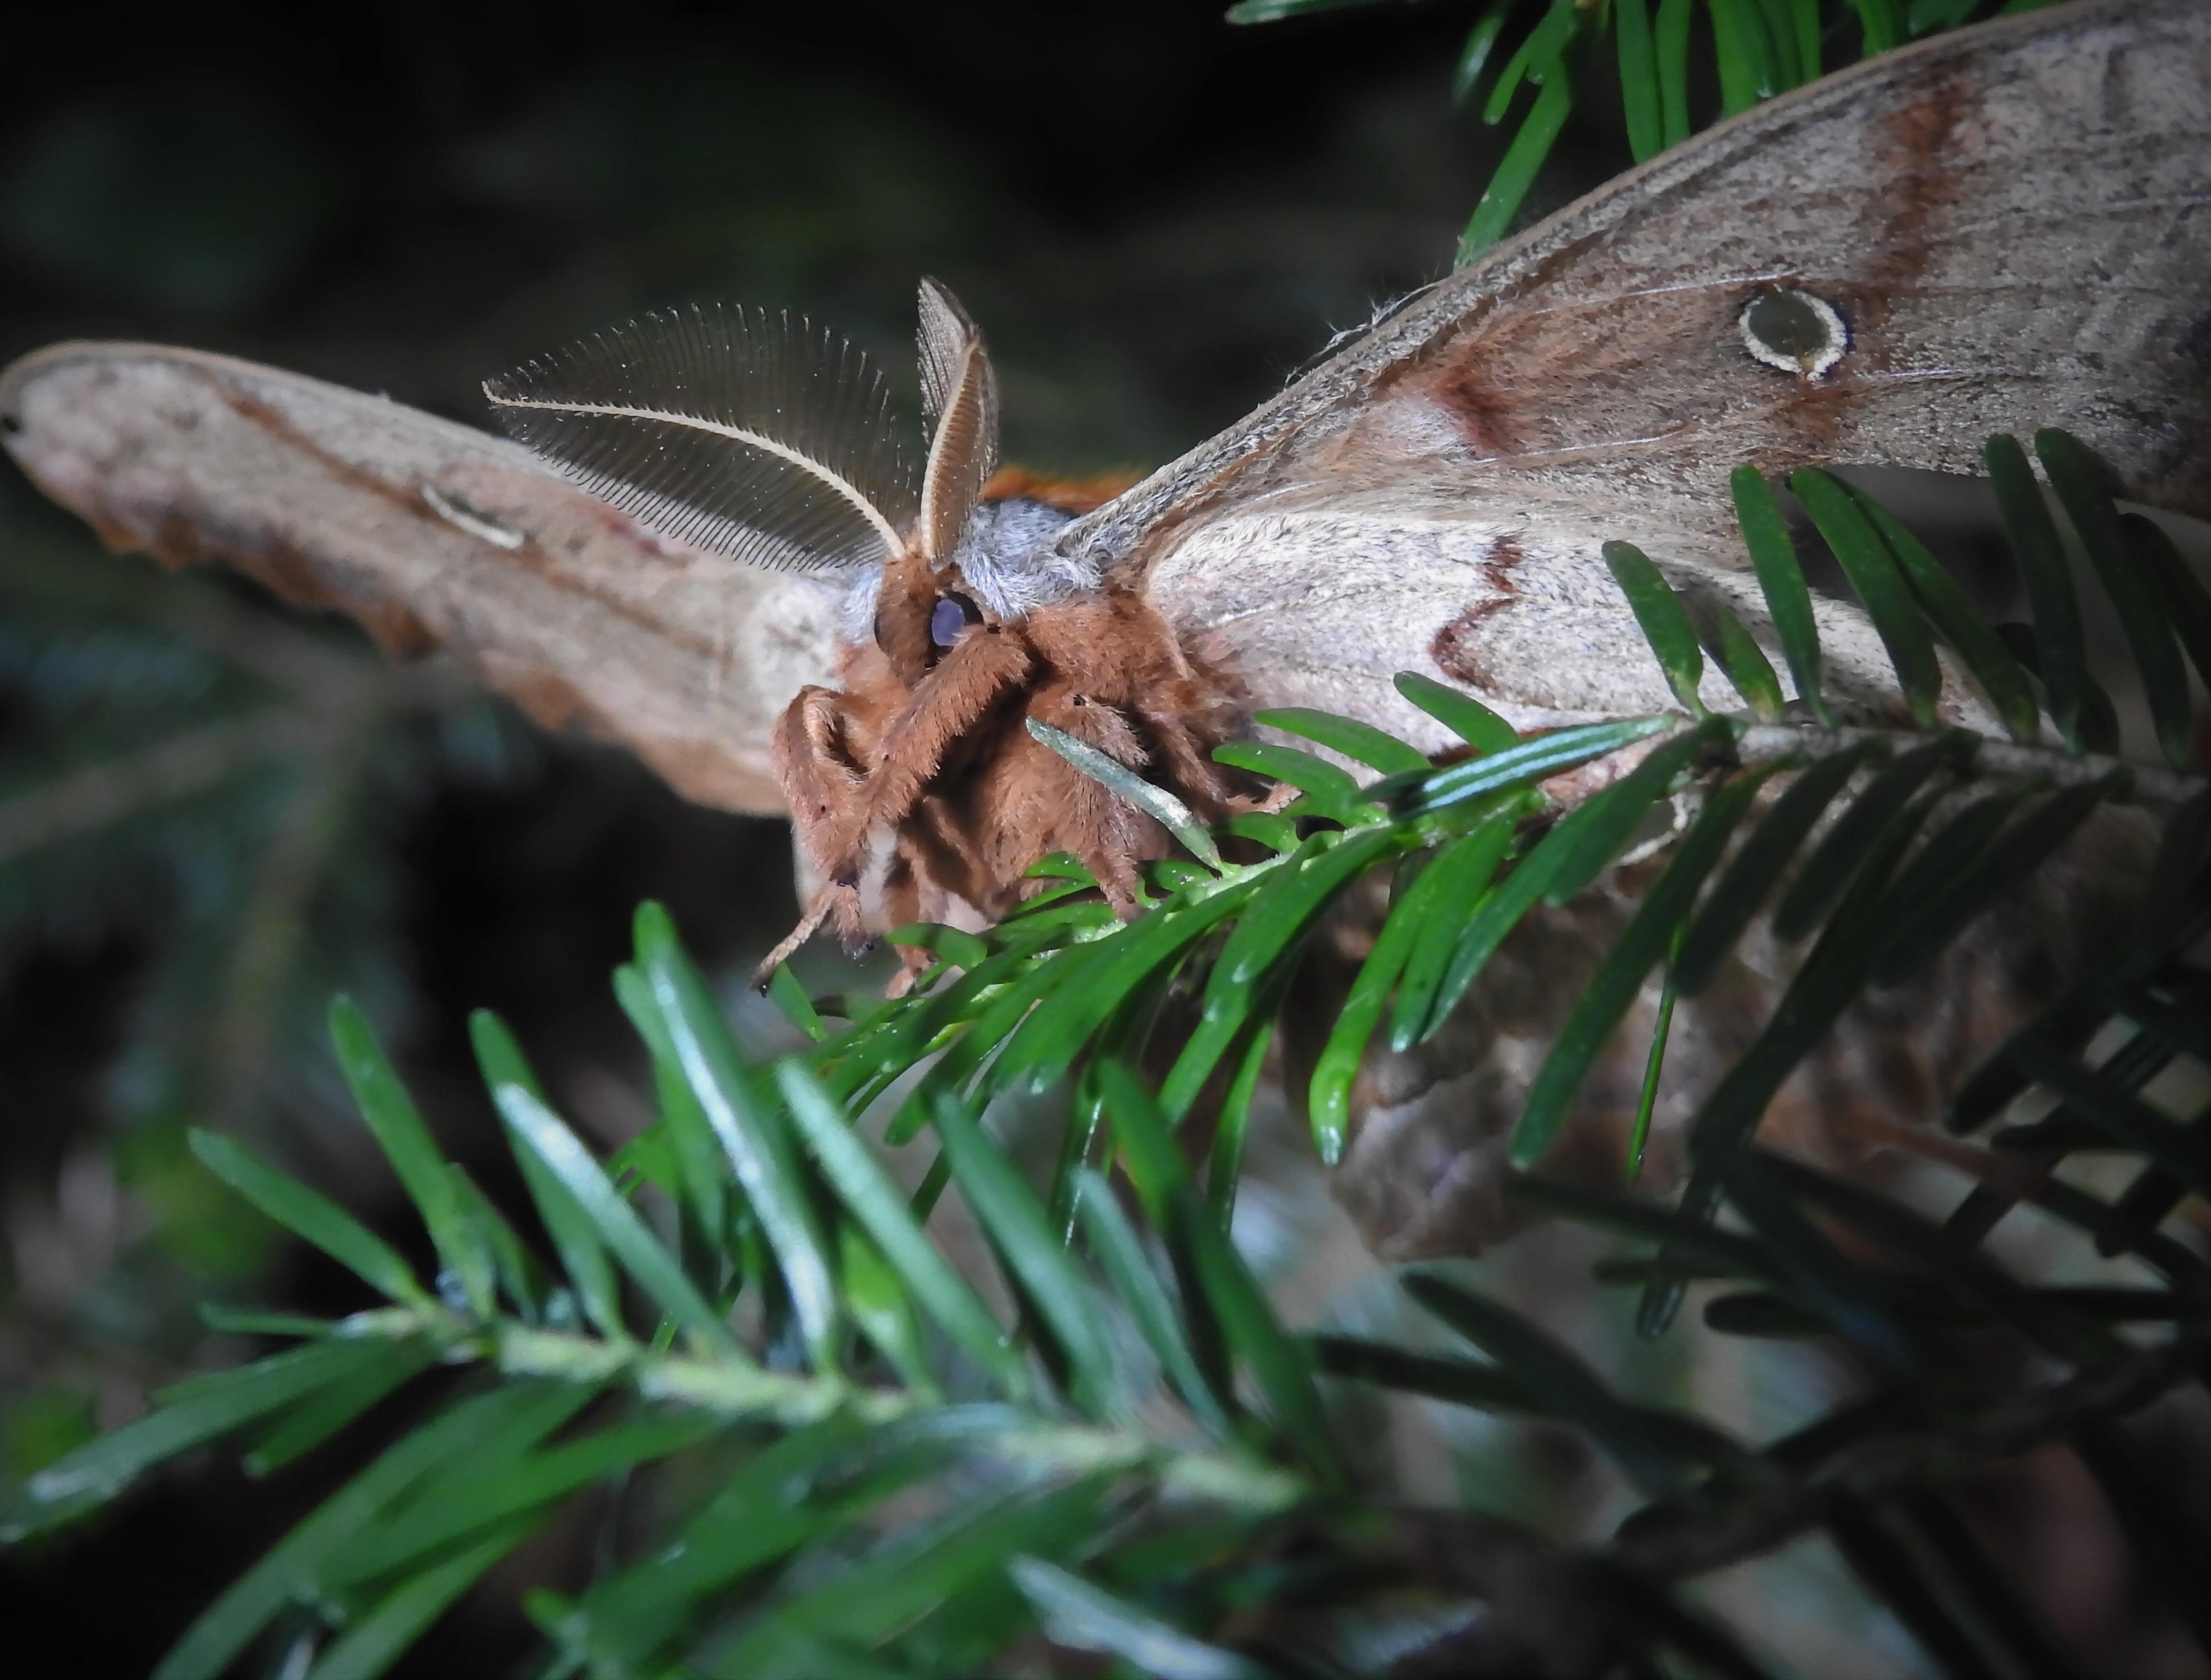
(2013, 222)
(433, 536)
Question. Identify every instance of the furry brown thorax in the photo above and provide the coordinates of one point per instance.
(924, 746)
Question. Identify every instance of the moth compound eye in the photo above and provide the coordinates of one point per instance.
(953, 614)
(1794, 332)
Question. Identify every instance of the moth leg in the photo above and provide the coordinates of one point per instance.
(902, 904)
(1194, 773)
(812, 754)
(1280, 794)
(902, 889)
(837, 902)
(974, 675)
(1107, 835)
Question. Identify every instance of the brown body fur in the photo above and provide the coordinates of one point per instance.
(931, 745)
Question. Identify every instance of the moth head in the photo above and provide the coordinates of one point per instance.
(1004, 568)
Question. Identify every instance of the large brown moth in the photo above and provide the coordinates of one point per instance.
(2004, 228)
(763, 441)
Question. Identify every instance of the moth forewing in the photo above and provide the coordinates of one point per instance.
(960, 403)
(406, 521)
(2004, 218)
(744, 433)
(1520, 611)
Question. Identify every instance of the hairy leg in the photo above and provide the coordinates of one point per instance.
(902, 904)
(987, 664)
(812, 754)
(1062, 809)
(1184, 756)
(836, 902)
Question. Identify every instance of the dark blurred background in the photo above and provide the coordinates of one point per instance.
(1157, 217)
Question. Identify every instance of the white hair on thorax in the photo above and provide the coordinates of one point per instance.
(1006, 557)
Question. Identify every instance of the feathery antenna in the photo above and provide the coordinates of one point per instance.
(753, 435)
(960, 401)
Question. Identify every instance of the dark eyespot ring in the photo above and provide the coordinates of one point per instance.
(1793, 331)
(953, 614)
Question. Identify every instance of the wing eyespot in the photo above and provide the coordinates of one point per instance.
(465, 516)
(1794, 332)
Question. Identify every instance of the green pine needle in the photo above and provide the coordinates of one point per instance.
(1143, 1367)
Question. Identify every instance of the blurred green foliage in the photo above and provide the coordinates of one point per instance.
(203, 203)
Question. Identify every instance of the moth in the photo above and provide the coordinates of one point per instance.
(1999, 229)
(761, 440)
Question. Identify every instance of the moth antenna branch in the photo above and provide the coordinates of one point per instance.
(892, 542)
(960, 399)
(755, 436)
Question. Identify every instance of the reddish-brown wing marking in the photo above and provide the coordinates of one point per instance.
(2014, 223)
